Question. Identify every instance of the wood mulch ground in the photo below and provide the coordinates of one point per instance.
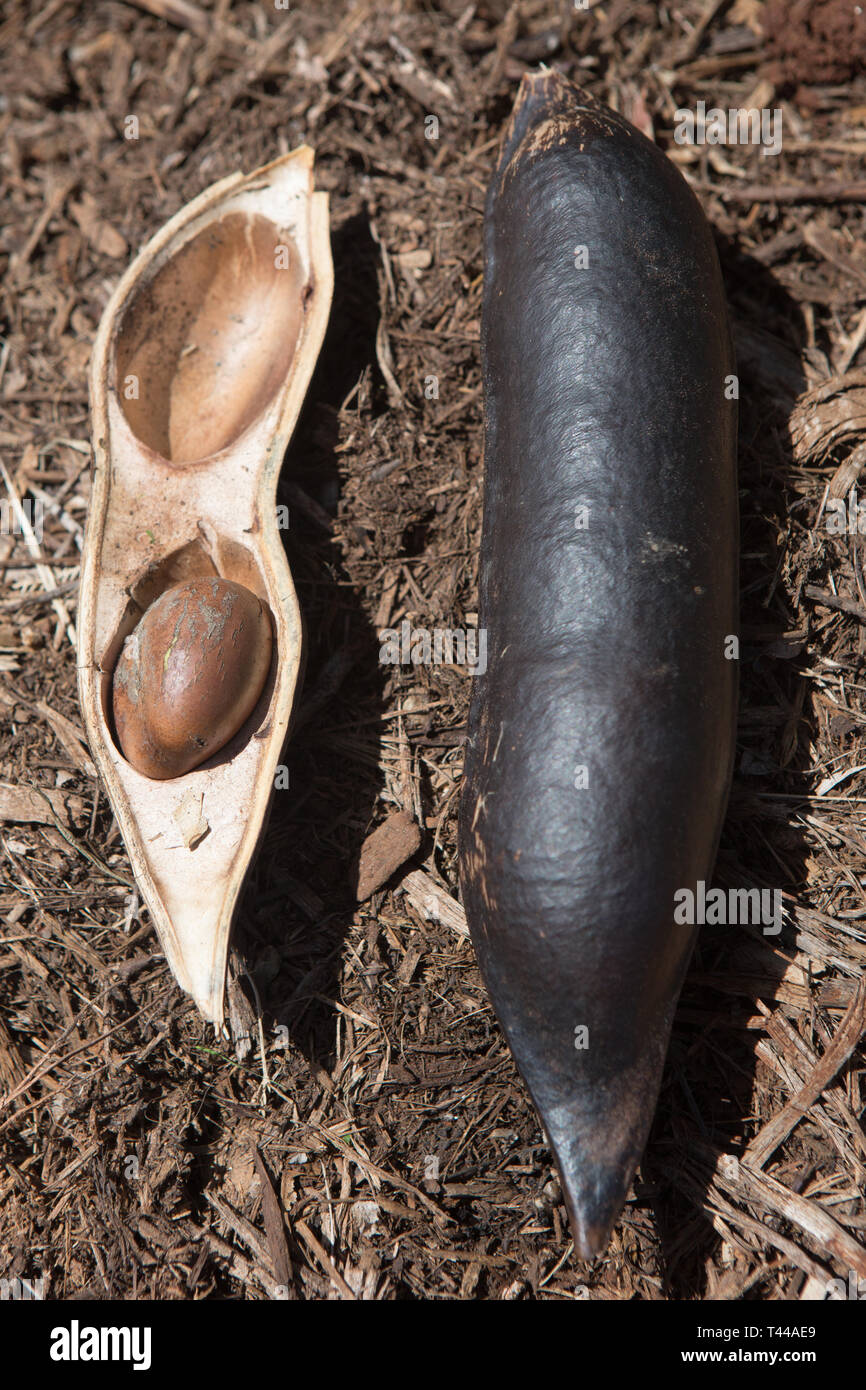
(372, 1139)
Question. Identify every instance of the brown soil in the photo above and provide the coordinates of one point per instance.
(815, 41)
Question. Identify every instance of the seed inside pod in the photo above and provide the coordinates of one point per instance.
(190, 675)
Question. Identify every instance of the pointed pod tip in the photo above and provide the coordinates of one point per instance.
(547, 106)
(597, 1137)
(591, 1227)
(537, 90)
(594, 1207)
(589, 1241)
(548, 86)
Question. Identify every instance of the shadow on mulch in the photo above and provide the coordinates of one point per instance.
(298, 910)
(710, 1076)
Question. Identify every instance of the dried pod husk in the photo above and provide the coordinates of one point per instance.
(601, 736)
(199, 371)
(190, 675)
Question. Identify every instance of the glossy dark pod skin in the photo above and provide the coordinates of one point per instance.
(602, 734)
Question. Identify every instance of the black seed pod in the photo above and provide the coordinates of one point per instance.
(602, 735)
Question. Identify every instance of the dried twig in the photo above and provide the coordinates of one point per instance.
(846, 1039)
(32, 544)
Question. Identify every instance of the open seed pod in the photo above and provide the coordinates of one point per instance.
(199, 371)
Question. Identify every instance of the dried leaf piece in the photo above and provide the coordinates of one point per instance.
(274, 1225)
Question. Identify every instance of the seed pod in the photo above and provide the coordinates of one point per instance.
(190, 675)
(601, 736)
(198, 374)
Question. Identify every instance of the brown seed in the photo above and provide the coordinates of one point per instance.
(189, 675)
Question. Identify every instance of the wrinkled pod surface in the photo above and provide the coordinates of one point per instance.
(199, 371)
(601, 736)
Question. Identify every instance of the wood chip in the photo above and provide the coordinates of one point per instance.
(433, 902)
(844, 605)
(70, 736)
(31, 805)
(832, 246)
(831, 414)
(382, 853)
(846, 1039)
(101, 235)
(274, 1225)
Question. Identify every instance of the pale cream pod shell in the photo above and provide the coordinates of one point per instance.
(198, 374)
